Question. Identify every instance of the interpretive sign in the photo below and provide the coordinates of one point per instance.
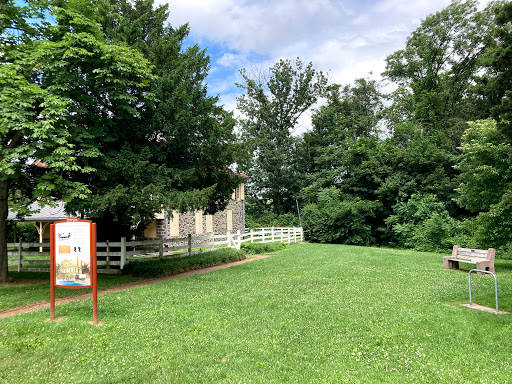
(73, 254)
(73, 258)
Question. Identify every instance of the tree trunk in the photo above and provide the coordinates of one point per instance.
(4, 210)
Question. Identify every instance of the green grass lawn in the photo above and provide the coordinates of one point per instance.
(310, 313)
(33, 287)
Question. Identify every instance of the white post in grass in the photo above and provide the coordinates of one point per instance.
(262, 235)
(239, 239)
(272, 234)
(252, 237)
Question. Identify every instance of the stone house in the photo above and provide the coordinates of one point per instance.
(176, 224)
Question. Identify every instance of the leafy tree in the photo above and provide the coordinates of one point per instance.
(177, 155)
(439, 65)
(342, 153)
(486, 182)
(62, 87)
(350, 115)
(496, 83)
(272, 104)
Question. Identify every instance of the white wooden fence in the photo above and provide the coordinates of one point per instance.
(112, 256)
(266, 235)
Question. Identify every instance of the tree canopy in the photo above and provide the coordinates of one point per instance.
(272, 104)
(100, 100)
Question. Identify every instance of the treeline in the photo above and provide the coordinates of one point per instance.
(425, 166)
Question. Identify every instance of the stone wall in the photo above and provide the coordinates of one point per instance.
(187, 222)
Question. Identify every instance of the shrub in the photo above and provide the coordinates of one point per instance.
(339, 219)
(169, 267)
(260, 248)
(25, 231)
(434, 234)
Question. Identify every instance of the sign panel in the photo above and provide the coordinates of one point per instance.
(73, 262)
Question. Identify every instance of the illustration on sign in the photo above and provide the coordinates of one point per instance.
(73, 254)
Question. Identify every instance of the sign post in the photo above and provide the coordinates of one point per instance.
(73, 259)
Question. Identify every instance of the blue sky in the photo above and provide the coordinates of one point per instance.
(349, 39)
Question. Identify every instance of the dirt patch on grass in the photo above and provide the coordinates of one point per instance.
(125, 286)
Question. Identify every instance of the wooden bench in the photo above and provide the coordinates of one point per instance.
(483, 259)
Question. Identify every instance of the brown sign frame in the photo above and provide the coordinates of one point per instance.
(81, 233)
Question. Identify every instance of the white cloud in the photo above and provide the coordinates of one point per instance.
(348, 38)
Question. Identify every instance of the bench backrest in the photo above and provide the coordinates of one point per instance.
(473, 254)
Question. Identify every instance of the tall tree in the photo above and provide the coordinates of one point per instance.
(178, 154)
(351, 114)
(62, 87)
(439, 65)
(272, 104)
(496, 83)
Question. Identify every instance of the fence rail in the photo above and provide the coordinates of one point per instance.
(112, 256)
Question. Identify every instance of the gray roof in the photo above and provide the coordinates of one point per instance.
(45, 213)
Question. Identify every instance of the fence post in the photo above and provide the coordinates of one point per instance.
(272, 234)
(289, 235)
(189, 238)
(282, 234)
(108, 255)
(239, 240)
(228, 238)
(213, 241)
(262, 235)
(161, 247)
(252, 236)
(20, 256)
(123, 252)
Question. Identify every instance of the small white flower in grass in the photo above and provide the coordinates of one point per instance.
(118, 298)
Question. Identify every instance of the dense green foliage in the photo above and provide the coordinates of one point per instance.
(426, 166)
(261, 248)
(63, 87)
(173, 266)
(312, 313)
(178, 153)
(24, 231)
(102, 106)
(272, 105)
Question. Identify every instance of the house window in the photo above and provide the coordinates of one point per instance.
(209, 223)
(229, 219)
(174, 224)
(199, 222)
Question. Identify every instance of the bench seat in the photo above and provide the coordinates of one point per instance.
(483, 259)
